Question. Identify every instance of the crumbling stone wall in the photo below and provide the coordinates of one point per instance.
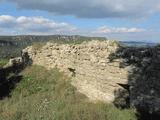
(88, 64)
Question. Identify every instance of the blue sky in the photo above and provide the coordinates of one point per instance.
(117, 19)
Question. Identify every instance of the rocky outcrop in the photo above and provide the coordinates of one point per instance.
(88, 64)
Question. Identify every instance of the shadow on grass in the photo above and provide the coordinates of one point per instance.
(8, 85)
(9, 75)
(143, 88)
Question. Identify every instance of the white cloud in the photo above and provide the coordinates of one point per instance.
(11, 25)
(93, 8)
(34, 25)
(7, 21)
(107, 30)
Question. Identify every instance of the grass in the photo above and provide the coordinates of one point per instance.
(48, 95)
(3, 62)
(38, 45)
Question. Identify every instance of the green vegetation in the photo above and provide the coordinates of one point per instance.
(48, 95)
(38, 45)
(3, 62)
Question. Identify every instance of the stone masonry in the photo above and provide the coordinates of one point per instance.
(87, 64)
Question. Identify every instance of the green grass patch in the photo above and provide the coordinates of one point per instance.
(38, 45)
(3, 62)
(48, 95)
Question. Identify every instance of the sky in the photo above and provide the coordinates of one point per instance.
(125, 20)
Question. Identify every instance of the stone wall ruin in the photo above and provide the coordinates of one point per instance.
(92, 72)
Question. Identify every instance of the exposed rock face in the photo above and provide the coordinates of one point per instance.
(88, 65)
(15, 61)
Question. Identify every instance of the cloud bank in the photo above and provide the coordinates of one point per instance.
(41, 25)
(33, 25)
(93, 8)
(118, 30)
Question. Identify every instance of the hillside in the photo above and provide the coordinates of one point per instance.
(101, 75)
(42, 94)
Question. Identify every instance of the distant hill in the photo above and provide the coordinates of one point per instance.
(138, 44)
(11, 46)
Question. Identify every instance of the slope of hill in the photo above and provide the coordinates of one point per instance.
(77, 74)
(48, 95)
